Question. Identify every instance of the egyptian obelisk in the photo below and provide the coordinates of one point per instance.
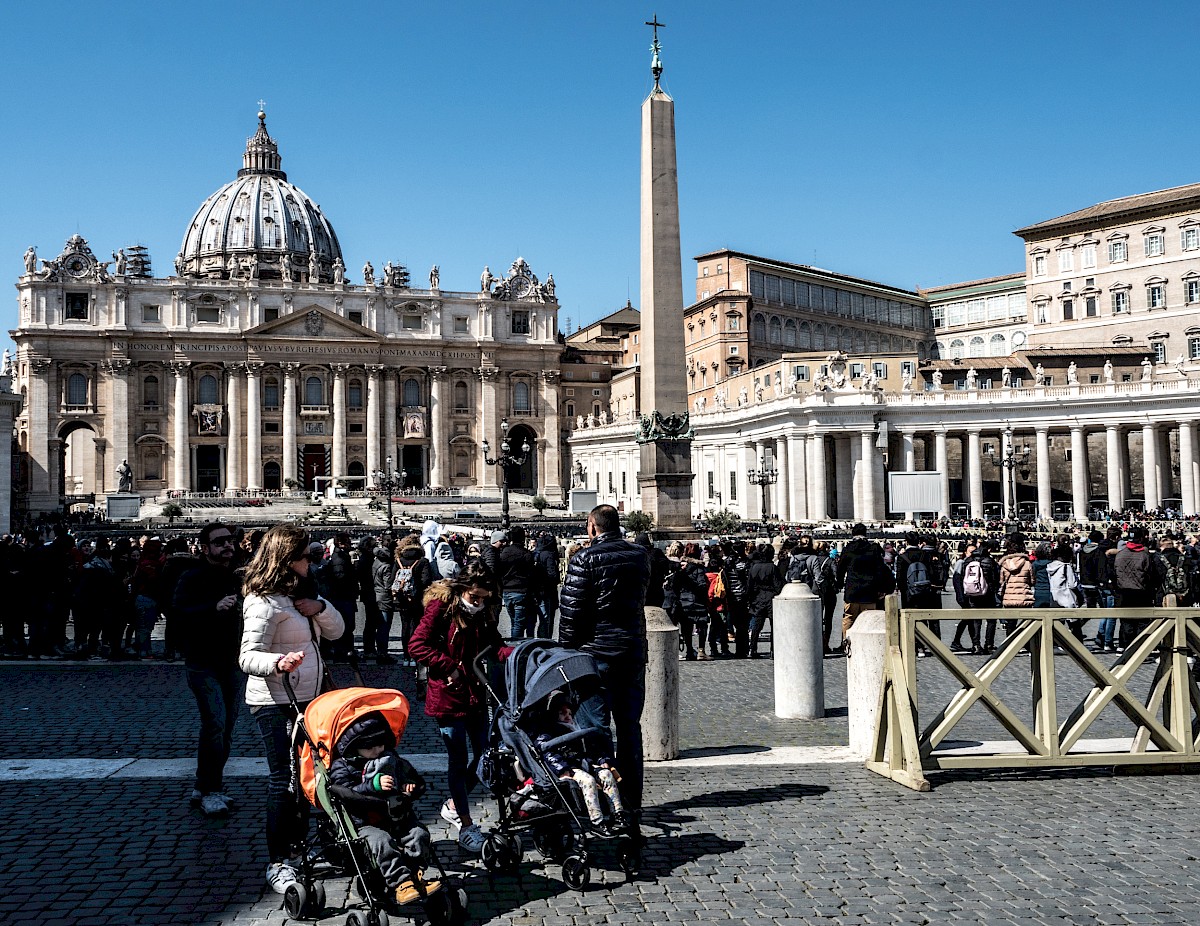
(664, 431)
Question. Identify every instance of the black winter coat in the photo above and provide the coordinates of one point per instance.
(603, 600)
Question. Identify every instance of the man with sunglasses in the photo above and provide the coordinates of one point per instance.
(208, 602)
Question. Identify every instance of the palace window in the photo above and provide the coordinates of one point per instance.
(354, 394)
(520, 321)
(77, 388)
(412, 392)
(150, 393)
(270, 393)
(207, 393)
(314, 391)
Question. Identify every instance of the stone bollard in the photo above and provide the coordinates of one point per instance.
(660, 716)
(864, 674)
(799, 653)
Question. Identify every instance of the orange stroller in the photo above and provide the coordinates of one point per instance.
(337, 843)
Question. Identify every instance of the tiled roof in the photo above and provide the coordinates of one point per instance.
(1115, 208)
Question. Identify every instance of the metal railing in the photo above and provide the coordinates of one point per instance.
(1167, 722)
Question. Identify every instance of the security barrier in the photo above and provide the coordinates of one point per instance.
(1167, 723)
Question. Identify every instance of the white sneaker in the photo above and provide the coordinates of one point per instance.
(213, 805)
(449, 814)
(279, 876)
(471, 839)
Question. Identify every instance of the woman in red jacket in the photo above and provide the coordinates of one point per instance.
(459, 622)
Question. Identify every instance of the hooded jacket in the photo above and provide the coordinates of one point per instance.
(1016, 581)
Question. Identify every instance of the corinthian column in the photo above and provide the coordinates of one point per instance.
(291, 462)
(253, 427)
(181, 447)
(339, 420)
(373, 419)
(439, 445)
(551, 472)
(233, 403)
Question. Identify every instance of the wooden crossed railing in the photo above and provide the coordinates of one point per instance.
(1167, 722)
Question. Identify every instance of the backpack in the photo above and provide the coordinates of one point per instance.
(974, 583)
(1175, 578)
(916, 579)
(403, 587)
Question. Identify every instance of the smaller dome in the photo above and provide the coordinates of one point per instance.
(259, 225)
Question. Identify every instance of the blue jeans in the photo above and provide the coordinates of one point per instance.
(620, 700)
(287, 809)
(218, 695)
(522, 611)
(457, 734)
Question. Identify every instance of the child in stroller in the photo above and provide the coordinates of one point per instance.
(367, 763)
(571, 761)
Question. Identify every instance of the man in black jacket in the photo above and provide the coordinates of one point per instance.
(602, 612)
(208, 603)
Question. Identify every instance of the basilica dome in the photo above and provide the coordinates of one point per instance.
(260, 226)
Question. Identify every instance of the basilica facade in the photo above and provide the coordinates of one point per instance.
(257, 365)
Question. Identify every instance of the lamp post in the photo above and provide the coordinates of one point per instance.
(390, 480)
(764, 477)
(1011, 459)
(507, 458)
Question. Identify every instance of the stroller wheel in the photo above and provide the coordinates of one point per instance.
(576, 872)
(554, 842)
(295, 901)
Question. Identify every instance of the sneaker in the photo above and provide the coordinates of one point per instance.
(279, 876)
(213, 805)
(471, 839)
(449, 814)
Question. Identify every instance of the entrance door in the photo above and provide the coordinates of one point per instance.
(412, 461)
(208, 469)
(314, 465)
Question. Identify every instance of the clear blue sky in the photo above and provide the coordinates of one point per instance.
(902, 142)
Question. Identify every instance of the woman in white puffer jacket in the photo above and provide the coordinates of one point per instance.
(284, 620)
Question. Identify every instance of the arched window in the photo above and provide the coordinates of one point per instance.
(150, 391)
(521, 398)
(270, 395)
(805, 342)
(77, 389)
(975, 349)
(998, 345)
(760, 328)
(956, 349)
(314, 391)
(776, 330)
(461, 397)
(206, 394)
(412, 392)
(354, 394)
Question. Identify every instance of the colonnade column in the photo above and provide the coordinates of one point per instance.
(782, 492)
(390, 410)
(551, 471)
(253, 427)
(1150, 466)
(233, 456)
(1043, 474)
(867, 470)
(942, 463)
(1187, 461)
(181, 446)
(909, 452)
(796, 476)
(290, 460)
(975, 453)
(339, 420)
(1079, 474)
(439, 446)
(1116, 484)
(373, 460)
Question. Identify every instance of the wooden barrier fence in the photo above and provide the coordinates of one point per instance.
(1167, 723)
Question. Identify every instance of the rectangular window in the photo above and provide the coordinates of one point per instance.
(77, 306)
(356, 316)
(1087, 256)
(1160, 351)
(1120, 302)
(1039, 265)
(1066, 260)
(1189, 239)
(1155, 245)
(1118, 252)
(520, 321)
(151, 313)
(1091, 307)
(1156, 296)
(1191, 290)
(1068, 307)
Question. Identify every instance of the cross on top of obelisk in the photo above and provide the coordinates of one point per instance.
(655, 47)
